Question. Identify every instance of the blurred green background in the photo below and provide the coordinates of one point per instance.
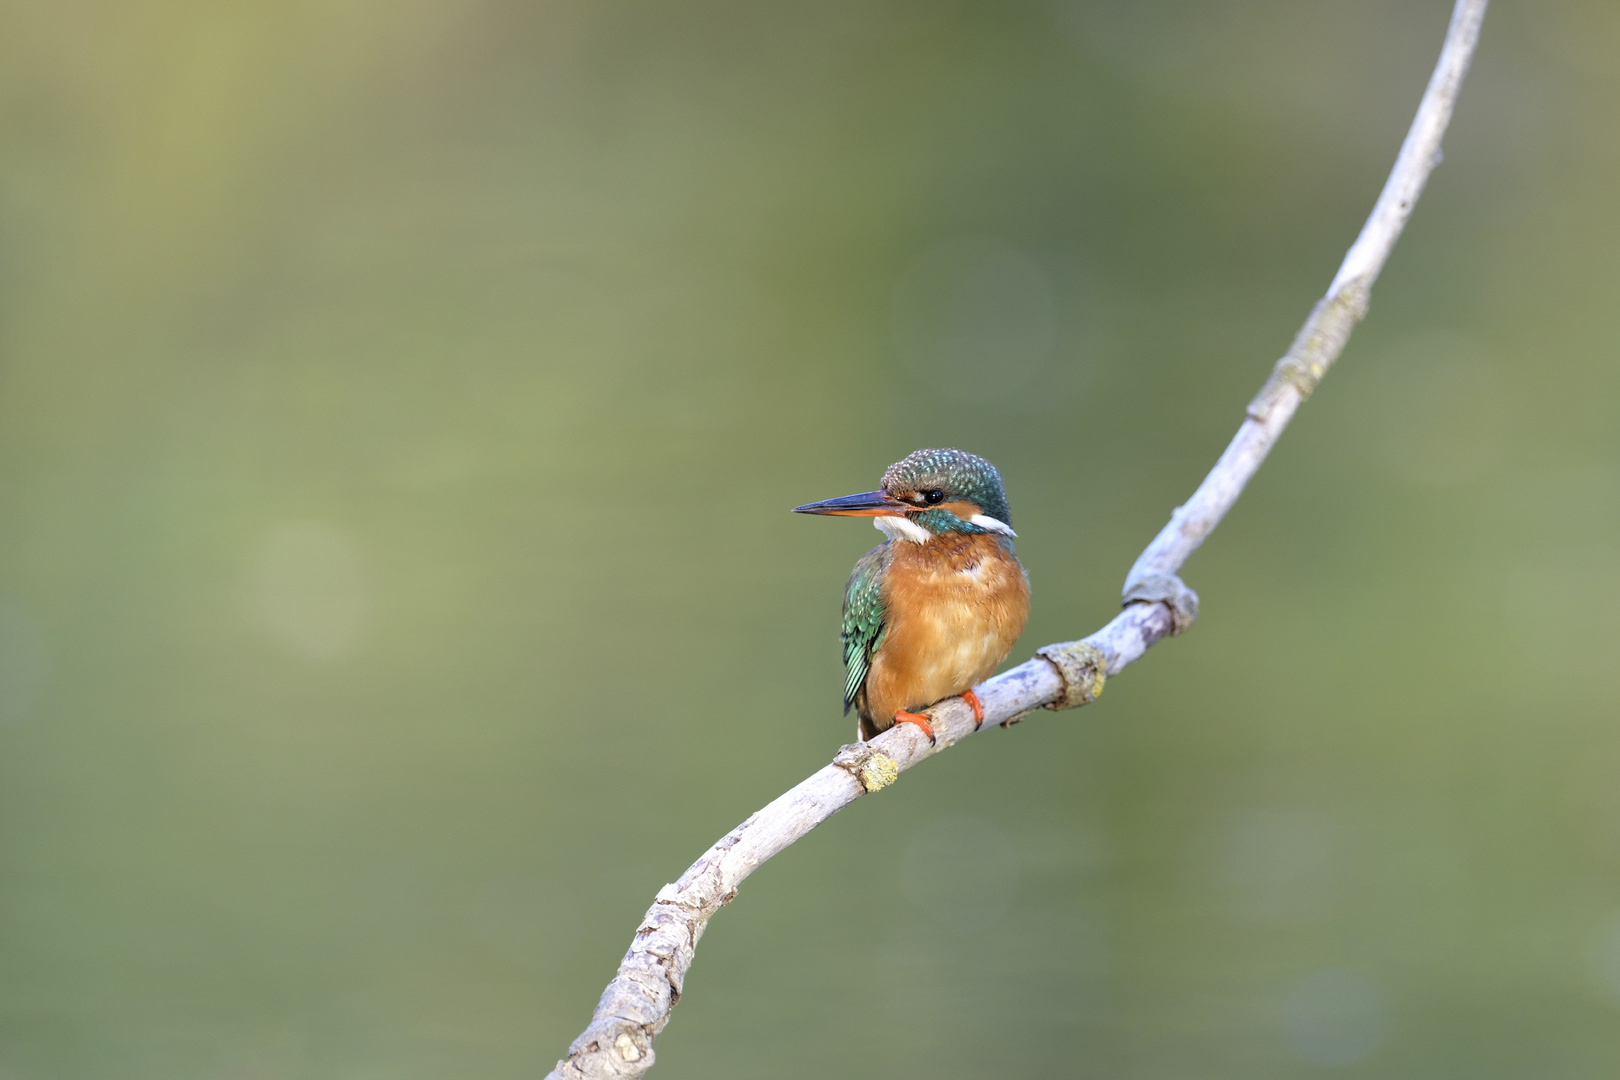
(400, 405)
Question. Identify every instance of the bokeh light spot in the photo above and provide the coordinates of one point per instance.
(1335, 1016)
(308, 590)
(1277, 865)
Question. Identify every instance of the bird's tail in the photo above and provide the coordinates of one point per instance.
(867, 730)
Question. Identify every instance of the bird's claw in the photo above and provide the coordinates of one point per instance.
(977, 706)
(903, 717)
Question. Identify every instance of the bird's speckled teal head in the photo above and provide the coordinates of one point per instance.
(930, 493)
(933, 480)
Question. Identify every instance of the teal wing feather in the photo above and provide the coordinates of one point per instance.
(862, 629)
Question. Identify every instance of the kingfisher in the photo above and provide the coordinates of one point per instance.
(931, 611)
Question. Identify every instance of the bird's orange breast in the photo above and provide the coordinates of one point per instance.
(953, 608)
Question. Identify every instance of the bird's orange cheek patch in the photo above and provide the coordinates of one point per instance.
(961, 508)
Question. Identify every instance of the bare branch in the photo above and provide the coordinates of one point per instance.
(637, 1003)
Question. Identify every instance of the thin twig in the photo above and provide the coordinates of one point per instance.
(636, 1004)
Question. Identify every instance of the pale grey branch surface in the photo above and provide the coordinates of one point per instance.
(636, 1004)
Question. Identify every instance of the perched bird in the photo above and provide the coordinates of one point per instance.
(931, 611)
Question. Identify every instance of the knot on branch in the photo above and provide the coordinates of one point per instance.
(617, 1049)
(873, 769)
(1164, 589)
(1315, 347)
(627, 1047)
(1083, 668)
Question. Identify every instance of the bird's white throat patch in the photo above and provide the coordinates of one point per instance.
(899, 528)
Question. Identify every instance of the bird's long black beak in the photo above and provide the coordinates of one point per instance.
(866, 504)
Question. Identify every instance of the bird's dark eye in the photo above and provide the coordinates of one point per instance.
(932, 497)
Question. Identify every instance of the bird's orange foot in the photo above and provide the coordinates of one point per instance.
(903, 717)
(977, 706)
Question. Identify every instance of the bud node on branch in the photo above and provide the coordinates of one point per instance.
(1083, 668)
